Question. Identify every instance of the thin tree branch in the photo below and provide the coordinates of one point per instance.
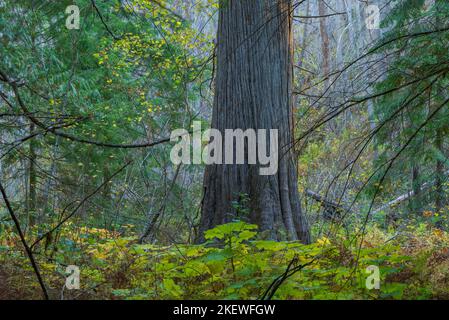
(24, 243)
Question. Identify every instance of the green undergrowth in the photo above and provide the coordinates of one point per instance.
(232, 264)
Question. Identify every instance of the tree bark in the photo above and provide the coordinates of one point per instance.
(253, 90)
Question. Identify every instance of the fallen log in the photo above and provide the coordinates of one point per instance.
(331, 209)
(403, 197)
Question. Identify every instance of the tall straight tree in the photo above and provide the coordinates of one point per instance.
(253, 90)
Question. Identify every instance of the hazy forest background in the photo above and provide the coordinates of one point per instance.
(87, 180)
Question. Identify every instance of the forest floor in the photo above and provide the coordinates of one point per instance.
(233, 264)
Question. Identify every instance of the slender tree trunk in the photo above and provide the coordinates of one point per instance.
(416, 201)
(324, 38)
(439, 144)
(439, 172)
(48, 198)
(32, 181)
(253, 90)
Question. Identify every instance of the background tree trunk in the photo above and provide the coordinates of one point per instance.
(416, 201)
(439, 144)
(253, 89)
(32, 180)
(439, 172)
(324, 38)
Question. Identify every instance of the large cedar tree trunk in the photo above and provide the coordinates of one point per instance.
(253, 89)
